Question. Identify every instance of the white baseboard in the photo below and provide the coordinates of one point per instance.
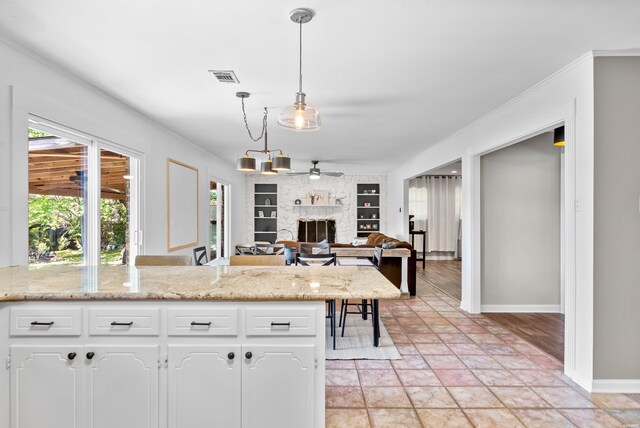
(520, 308)
(438, 255)
(585, 382)
(621, 386)
(436, 258)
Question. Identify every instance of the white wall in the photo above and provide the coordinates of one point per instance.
(565, 96)
(30, 85)
(520, 204)
(617, 224)
(291, 188)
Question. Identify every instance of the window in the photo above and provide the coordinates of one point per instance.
(83, 199)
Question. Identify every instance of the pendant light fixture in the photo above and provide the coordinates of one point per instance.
(269, 166)
(300, 116)
(558, 137)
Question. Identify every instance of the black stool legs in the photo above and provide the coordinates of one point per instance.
(332, 318)
(364, 311)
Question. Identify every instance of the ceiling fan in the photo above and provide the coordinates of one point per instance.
(315, 173)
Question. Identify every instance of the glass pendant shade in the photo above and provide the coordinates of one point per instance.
(558, 137)
(299, 118)
(246, 164)
(266, 167)
(281, 163)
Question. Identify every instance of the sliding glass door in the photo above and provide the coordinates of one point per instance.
(83, 199)
(118, 208)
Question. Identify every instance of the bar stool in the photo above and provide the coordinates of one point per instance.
(323, 260)
(363, 306)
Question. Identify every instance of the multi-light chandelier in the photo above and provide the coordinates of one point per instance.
(298, 117)
(271, 164)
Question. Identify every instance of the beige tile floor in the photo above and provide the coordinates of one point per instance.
(462, 370)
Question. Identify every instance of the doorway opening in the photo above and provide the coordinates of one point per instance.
(218, 238)
(521, 220)
(435, 227)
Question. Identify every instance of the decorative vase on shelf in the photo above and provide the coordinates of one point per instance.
(267, 201)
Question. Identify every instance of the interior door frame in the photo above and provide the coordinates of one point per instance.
(471, 272)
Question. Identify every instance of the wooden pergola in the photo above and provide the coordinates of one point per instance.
(61, 171)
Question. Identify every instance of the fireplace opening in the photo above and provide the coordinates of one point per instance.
(316, 230)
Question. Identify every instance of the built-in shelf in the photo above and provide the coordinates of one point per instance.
(364, 195)
(265, 192)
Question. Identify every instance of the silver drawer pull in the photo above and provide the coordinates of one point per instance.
(195, 323)
(128, 324)
(50, 323)
(280, 324)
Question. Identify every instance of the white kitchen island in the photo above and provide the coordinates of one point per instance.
(169, 346)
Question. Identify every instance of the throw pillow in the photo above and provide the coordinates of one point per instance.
(357, 242)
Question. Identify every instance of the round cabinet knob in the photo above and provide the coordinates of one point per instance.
(231, 355)
(248, 355)
(71, 355)
(90, 355)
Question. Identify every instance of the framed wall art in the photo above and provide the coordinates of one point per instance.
(182, 205)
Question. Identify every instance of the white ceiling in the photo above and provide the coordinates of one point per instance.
(389, 78)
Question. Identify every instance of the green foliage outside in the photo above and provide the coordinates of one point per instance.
(34, 133)
(113, 224)
(55, 229)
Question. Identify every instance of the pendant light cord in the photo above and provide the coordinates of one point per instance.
(300, 69)
(246, 123)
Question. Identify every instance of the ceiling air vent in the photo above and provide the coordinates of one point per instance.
(225, 76)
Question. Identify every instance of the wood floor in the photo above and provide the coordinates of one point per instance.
(445, 275)
(543, 330)
(546, 331)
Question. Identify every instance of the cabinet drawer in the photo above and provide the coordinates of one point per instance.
(280, 322)
(202, 322)
(124, 322)
(45, 322)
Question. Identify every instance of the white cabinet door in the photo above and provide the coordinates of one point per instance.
(278, 386)
(204, 386)
(46, 386)
(121, 386)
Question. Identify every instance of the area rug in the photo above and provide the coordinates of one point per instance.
(357, 343)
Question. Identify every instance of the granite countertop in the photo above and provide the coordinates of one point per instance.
(237, 283)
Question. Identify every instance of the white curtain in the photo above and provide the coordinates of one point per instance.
(436, 201)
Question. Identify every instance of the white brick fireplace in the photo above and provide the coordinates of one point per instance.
(291, 188)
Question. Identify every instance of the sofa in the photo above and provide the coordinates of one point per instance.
(391, 267)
